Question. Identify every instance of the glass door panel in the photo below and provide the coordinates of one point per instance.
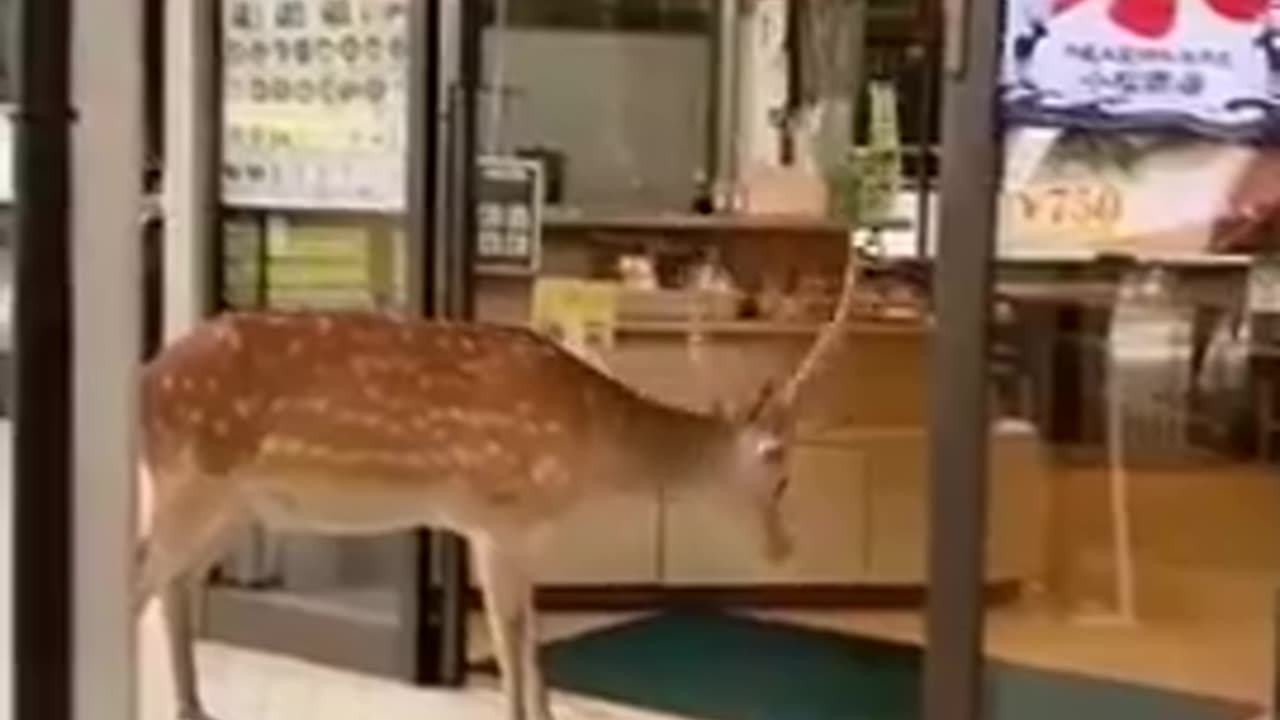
(314, 141)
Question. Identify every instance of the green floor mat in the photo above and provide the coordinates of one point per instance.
(719, 666)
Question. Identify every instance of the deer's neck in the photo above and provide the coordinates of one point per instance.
(665, 446)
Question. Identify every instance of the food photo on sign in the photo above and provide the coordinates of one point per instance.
(1070, 192)
(1209, 67)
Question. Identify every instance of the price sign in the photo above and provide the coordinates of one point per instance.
(1080, 210)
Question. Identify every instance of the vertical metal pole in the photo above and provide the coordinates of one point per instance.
(959, 424)
(433, 598)
(926, 129)
(722, 108)
(43, 588)
(210, 102)
(424, 146)
(466, 109)
(460, 296)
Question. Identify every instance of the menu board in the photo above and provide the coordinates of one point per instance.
(315, 104)
(510, 214)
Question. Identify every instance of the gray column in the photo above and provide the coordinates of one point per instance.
(106, 241)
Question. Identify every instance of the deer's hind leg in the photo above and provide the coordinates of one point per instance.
(194, 520)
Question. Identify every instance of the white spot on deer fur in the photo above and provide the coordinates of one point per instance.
(195, 416)
(166, 383)
(548, 471)
(228, 336)
(294, 348)
(221, 428)
(324, 325)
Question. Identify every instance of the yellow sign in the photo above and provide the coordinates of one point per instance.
(579, 314)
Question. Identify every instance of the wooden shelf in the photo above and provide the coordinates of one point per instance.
(765, 327)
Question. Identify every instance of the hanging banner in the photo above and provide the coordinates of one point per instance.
(1210, 67)
(1071, 193)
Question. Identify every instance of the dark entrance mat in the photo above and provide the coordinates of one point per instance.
(719, 666)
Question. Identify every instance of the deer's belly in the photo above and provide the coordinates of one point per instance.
(354, 508)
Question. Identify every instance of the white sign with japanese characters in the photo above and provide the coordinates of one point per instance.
(1211, 67)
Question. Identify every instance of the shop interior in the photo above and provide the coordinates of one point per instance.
(672, 189)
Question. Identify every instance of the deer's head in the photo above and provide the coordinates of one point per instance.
(764, 430)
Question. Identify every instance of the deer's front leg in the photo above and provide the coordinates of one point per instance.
(191, 525)
(508, 607)
(537, 699)
(177, 611)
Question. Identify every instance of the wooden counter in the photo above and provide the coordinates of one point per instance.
(858, 498)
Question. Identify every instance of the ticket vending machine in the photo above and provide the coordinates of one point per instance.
(339, 171)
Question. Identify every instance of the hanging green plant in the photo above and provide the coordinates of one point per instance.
(865, 182)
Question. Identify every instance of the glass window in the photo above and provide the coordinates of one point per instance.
(614, 15)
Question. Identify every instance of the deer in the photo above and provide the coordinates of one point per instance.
(351, 422)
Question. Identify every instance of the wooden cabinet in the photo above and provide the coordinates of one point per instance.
(858, 507)
(709, 541)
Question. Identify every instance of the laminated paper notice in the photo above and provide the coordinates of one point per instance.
(580, 315)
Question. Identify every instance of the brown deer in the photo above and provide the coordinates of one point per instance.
(357, 423)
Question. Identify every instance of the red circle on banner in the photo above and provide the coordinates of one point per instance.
(1153, 19)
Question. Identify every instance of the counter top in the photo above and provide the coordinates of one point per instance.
(555, 218)
(888, 326)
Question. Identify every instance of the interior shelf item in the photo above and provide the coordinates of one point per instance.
(677, 305)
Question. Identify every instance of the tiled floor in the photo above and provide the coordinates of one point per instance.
(241, 685)
(1227, 659)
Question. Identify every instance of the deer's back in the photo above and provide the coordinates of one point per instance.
(347, 397)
